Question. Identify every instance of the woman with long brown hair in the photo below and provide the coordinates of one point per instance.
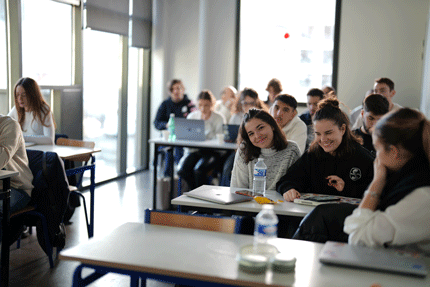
(33, 113)
(334, 164)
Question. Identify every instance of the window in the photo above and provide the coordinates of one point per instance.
(102, 86)
(287, 40)
(47, 42)
(3, 55)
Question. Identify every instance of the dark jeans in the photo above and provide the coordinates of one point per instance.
(178, 152)
(226, 170)
(325, 223)
(195, 166)
(18, 200)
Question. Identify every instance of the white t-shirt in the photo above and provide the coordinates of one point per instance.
(297, 131)
(236, 119)
(223, 110)
(33, 130)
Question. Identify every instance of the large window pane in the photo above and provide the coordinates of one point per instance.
(47, 42)
(289, 40)
(135, 66)
(102, 84)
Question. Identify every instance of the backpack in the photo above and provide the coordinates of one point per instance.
(50, 195)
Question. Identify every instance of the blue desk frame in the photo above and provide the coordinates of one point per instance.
(79, 170)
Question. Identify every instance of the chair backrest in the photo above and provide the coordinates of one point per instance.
(77, 143)
(194, 221)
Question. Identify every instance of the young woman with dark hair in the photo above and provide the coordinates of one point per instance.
(247, 99)
(394, 209)
(195, 164)
(260, 136)
(334, 164)
(33, 113)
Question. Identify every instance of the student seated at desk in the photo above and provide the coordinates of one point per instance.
(334, 164)
(260, 136)
(195, 164)
(394, 209)
(32, 113)
(13, 157)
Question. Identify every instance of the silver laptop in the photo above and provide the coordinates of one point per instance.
(388, 260)
(218, 196)
(193, 130)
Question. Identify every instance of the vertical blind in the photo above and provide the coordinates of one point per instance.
(141, 24)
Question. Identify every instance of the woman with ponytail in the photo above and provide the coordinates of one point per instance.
(395, 207)
(334, 164)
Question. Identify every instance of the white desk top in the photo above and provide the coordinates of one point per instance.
(282, 208)
(202, 144)
(208, 255)
(65, 152)
(7, 173)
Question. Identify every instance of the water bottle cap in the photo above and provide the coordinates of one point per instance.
(172, 115)
(267, 206)
(260, 158)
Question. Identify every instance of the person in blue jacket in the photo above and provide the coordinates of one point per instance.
(178, 104)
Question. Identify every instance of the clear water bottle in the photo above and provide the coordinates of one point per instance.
(266, 226)
(171, 127)
(259, 183)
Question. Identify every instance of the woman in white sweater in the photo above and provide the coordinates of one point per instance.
(196, 163)
(395, 208)
(32, 113)
(260, 136)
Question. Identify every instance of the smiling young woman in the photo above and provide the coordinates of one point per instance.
(260, 136)
(334, 164)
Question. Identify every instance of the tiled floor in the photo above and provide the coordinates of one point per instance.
(123, 200)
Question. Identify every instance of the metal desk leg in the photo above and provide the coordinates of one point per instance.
(92, 192)
(172, 178)
(154, 185)
(5, 195)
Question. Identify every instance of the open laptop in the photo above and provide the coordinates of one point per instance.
(230, 133)
(388, 260)
(192, 130)
(218, 196)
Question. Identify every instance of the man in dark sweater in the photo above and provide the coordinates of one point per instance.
(374, 107)
(178, 104)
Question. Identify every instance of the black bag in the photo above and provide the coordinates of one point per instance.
(50, 195)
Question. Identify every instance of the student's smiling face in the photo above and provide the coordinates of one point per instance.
(283, 113)
(260, 133)
(328, 135)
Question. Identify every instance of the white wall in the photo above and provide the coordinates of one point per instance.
(382, 38)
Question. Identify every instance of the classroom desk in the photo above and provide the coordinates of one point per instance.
(5, 250)
(68, 152)
(208, 144)
(282, 208)
(207, 258)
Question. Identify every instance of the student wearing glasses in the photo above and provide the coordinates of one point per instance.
(248, 99)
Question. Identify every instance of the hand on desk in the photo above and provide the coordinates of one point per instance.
(291, 195)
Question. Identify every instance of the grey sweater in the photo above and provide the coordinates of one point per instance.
(277, 163)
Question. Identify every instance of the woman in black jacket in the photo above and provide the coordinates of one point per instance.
(334, 164)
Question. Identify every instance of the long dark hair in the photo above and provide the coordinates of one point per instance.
(237, 106)
(406, 127)
(249, 150)
(328, 109)
(35, 102)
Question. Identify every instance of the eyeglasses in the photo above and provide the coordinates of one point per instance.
(247, 103)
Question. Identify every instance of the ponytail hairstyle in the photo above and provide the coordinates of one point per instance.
(249, 150)
(35, 102)
(328, 109)
(406, 127)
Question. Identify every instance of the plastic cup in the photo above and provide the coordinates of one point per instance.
(165, 134)
(220, 138)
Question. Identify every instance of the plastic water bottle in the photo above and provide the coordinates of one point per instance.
(171, 127)
(259, 184)
(266, 225)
